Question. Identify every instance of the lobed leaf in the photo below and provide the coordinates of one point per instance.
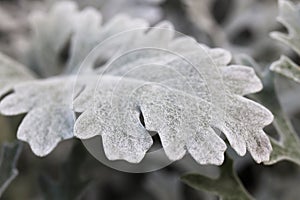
(50, 118)
(288, 145)
(174, 101)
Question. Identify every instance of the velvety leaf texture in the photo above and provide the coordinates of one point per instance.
(174, 101)
(50, 118)
(182, 89)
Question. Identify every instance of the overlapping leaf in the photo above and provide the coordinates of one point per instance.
(11, 74)
(175, 100)
(63, 37)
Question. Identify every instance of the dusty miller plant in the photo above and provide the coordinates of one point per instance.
(185, 105)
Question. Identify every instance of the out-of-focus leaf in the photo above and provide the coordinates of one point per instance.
(50, 117)
(227, 186)
(11, 74)
(289, 16)
(288, 146)
(149, 10)
(234, 26)
(8, 158)
(65, 36)
(287, 68)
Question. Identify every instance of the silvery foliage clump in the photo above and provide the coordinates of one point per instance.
(288, 148)
(186, 117)
(75, 88)
(146, 9)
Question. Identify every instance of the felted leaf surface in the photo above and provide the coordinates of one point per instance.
(288, 145)
(11, 74)
(8, 158)
(50, 118)
(175, 100)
